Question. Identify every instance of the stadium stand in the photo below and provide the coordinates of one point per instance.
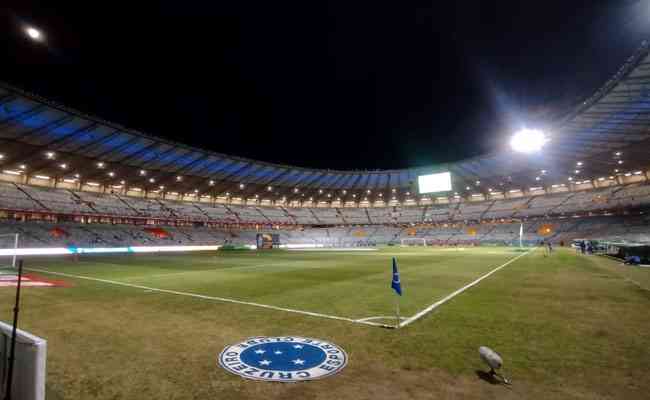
(25, 198)
(57, 234)
(68, 176)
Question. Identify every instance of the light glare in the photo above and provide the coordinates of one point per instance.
(33, 33)
(528, 141)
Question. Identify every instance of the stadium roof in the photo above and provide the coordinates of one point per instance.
(606, 134)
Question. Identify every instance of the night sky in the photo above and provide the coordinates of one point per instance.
(339, 85)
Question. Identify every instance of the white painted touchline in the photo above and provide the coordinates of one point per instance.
(380, 317)
(201, 296)
(457, 292)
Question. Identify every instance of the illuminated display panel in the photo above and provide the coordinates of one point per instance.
(434, 183)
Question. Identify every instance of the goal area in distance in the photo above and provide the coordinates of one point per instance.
(414, 242)
(8, 246)
(29, 366)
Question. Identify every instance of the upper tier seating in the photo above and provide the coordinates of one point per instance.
(60, 201)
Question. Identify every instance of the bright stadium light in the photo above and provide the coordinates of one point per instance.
(528, 141)
(33, 33)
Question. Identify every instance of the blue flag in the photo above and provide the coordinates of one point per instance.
(396, 284)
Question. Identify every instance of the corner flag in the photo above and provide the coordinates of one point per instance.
(396, 284)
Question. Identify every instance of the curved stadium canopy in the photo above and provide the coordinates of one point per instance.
(606, 133)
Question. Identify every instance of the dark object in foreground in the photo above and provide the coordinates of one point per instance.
(494, 361)
(12, 348)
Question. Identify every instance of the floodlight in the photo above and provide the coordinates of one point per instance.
(528, 141)
(33, 33)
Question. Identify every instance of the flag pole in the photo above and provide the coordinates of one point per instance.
(397, 312)
(397, 287)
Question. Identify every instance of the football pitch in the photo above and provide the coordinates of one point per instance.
(152, 326)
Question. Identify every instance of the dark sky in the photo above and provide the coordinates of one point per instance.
(341, 85)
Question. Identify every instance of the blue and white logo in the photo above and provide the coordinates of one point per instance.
(283, 359)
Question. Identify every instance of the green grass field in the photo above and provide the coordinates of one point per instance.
(568, 326)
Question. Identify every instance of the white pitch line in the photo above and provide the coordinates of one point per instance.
(380, 317)
(457, 292)
(201, 296)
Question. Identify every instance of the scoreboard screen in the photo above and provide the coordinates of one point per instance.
(434, 183)
(268, 240)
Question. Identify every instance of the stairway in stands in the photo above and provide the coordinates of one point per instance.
(202, 211)
(340, 214)
(29, 196)
(424, 213)
(487, 233)
(186, 234)
(563, 202)
(127, 204)
(263, 215)
(286, 212)
(314, 215)
(489, 207)
(232, 212)
(164, 207)
(454, 211)
(368, 215)
(523, 206)
(80, 200)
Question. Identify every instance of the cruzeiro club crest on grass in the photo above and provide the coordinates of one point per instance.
(283, 359)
